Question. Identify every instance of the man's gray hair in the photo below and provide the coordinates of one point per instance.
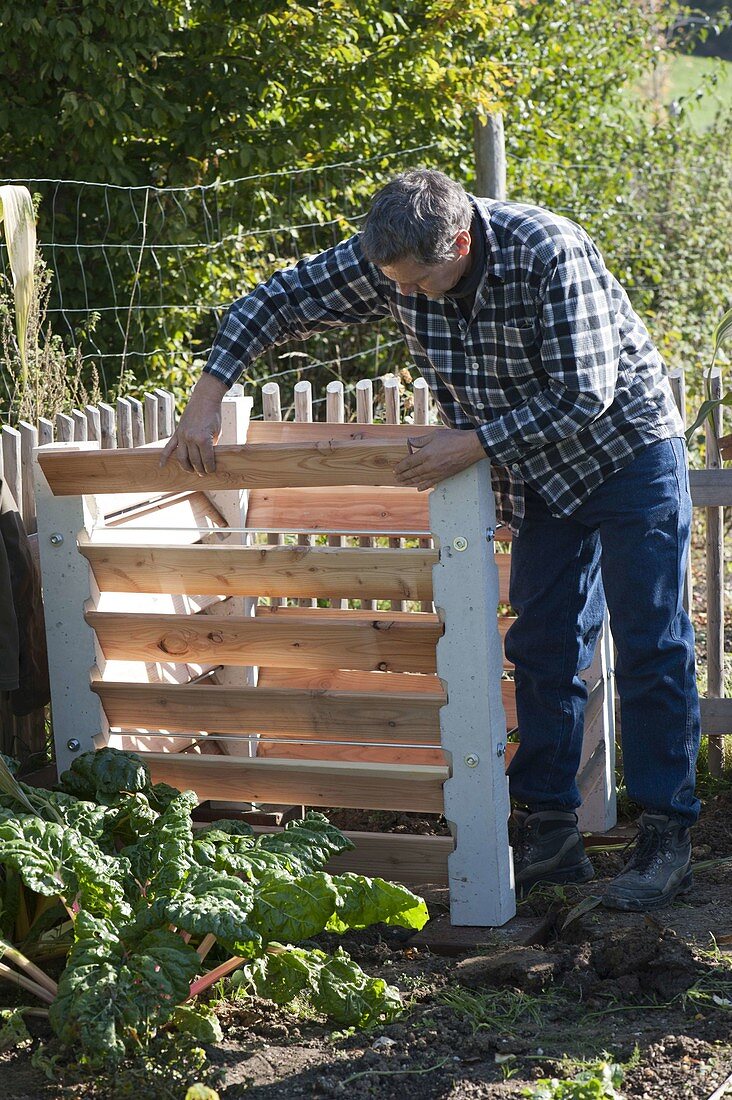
(416, 216)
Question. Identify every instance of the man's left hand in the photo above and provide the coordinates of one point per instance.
(437, 456)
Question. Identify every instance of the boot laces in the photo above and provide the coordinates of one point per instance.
(650, 843)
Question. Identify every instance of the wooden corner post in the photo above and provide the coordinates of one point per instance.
(69, 589)
(472, 723)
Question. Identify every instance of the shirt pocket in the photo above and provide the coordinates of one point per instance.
(519, 350)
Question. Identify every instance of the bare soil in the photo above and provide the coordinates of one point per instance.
(653, 992)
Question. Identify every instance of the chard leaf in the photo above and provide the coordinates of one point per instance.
(161, 795)
(363, 901)
(165, 855)
(13, 1032)
(57, 861)
(336, 985)
(217, 904)
(108, 990)
(307, 845)
(350, 997)
(198, 1021)
(291, 910)
(102, 776)
(227, 827)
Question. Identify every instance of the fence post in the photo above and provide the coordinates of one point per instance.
(490, 157)
(472, 723)
(715, 574)
(69, 589)
(678, 389)
(365, 415)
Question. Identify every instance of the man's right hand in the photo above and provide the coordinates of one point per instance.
(199, 427)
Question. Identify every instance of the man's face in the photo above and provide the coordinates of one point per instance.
(434, 280)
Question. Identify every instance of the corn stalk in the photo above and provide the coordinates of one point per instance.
(18, 217)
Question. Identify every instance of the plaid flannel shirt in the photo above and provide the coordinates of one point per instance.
(554, 370)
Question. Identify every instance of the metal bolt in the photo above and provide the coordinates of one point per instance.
(490, 534)
(56, 539)
(501, 750)
(472, 760)
(73, 745)
(460, 543)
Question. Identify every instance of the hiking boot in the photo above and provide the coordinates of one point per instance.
(547, 847)
(658, 870)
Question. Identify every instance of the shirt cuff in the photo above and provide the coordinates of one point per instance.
(224, 367)
(498, 444)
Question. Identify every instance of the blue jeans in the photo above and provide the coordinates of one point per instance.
(625, 545)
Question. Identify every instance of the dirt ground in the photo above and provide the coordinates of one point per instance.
(651, 992)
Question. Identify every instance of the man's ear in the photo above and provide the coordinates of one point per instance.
(462, 242)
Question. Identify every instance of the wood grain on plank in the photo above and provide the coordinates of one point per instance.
(294, 642)
(263, 571)
(365, 510)
(298, 782)
(410, 718)
(256, 465)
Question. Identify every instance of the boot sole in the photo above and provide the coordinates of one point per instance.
(637, 905)
(582, 872)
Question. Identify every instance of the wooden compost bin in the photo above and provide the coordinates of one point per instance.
(377, 701)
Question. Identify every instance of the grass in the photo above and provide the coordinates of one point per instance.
(702, 85)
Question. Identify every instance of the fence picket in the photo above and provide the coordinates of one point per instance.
(151, 417)
(45, 431)
(64, 428)
(304, 414)
(13, 464)
(124, 423)
(28, 443)
(138, 422)
(335, 413)
(365, 415)
(420, 396)
(108, 426)
(272, 410)
(93, 423)
(392, 415)
(80, 426)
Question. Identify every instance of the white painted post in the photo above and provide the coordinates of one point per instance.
(69, 589)
(596, 776)
(232, 504)
(472, 723)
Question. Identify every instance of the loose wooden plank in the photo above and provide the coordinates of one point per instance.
(290, 431)
(258, 465)
(297, 782)
(320, 571)
(290, 642)
(411, 860)
(408, 718)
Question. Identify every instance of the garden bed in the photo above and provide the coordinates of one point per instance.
(653, 993)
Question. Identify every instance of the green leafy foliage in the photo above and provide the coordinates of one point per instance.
(599, 1082)
(143, 890)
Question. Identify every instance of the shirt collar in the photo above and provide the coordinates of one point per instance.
(494, 255)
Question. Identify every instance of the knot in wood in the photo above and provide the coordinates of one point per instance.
(174, 644)
(216, 637)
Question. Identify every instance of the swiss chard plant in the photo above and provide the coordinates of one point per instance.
(153, 911)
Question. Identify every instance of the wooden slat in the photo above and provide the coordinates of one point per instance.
(259, 465)
(290, 642)
(339, 679)
(290, 431)
(381, 682)
(375, 754)
(716, 717)
(410, 718)
(297, 782)
(409, 859)
(263, 571)
(711, 488)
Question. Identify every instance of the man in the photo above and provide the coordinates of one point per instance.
(536, 359)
